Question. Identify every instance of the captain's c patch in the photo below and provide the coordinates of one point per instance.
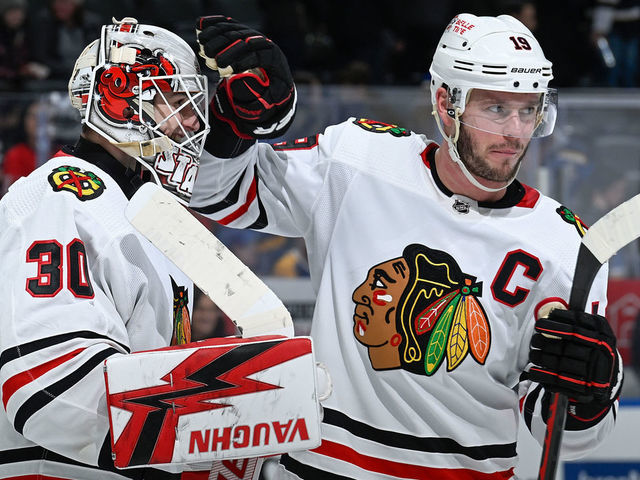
(83, 184)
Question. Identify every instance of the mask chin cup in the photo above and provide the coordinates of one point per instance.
(146, 148)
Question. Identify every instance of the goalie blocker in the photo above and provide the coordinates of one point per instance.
(217, 399)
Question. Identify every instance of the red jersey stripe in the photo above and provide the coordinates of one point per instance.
(404, 470)
(251, 195)
(21, 379)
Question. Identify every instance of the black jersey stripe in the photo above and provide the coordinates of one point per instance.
(262, 220)
(231, 198)
(26, 348)
(46, 395)
(422, 444)
(308, 472)
(530, 405)
(21, 455)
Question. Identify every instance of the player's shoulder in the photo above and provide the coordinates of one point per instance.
(65, 176)
(65, 185)
(373, 131)
(365, 142)
(354, 130)
(564, 221)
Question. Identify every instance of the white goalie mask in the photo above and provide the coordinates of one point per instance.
(140, 87)
(494, 54)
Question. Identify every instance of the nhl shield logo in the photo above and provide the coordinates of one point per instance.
(461, 207)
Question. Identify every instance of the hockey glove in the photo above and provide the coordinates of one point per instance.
(256, 95)
(575, 353)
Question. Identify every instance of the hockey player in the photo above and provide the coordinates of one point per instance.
(430, 262)
(79, 285)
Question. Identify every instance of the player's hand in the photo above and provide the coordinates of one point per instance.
(575, 353)
(256, 95)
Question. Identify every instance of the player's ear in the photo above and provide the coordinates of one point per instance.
(443, 106)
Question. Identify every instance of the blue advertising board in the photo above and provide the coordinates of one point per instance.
(602, 470)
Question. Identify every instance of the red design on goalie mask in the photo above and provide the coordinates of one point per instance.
(118, 85)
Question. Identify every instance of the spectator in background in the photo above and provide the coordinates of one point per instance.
(21, 158)
(61, 31)
(208, 321)
(523, 10)
(282, 256)
(616, 32)
(415, 31)
(15, 54)
(565, 25)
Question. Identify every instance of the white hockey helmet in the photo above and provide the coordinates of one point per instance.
(124, 86)
(497, 54)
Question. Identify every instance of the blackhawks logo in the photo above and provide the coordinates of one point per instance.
(381, 127)
(83, 184)
(419, 311)
(181, 317)
(571, 218)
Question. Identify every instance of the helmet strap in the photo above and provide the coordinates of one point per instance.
(147, 148)
(452, 142)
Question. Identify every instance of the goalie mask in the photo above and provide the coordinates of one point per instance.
(140, 87)
(493, 55)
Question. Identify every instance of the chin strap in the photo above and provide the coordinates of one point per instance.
(455, 156)
(148, 148)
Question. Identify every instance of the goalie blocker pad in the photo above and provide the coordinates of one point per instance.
(216, 399)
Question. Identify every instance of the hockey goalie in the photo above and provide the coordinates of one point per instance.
(98, 376)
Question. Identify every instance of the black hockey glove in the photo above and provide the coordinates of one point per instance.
(575, 353)
(256, 96)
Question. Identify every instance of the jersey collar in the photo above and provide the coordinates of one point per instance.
(127, 179)
(514, 195)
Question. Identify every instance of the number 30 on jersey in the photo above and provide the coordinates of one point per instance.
(55, 263)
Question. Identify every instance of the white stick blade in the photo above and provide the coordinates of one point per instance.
(615, 230)
(253, 307)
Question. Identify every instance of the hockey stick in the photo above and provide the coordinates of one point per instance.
(239, 293)
(603, 239)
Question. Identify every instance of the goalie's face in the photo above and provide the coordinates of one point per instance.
(175, 115)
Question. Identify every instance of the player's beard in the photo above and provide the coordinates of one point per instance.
(479, 167)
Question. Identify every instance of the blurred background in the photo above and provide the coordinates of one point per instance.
(370, 59)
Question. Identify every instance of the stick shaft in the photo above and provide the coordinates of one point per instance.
(587, 267)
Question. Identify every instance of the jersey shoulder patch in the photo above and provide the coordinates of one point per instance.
(572, 219)
(375, 126)
(85, 185)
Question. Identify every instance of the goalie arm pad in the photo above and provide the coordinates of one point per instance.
(211, 400)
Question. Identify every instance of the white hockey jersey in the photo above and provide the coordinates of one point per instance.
(425, 299)
(78, 285)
